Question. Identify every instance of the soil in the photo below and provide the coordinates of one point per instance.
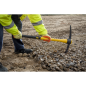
(58, 27)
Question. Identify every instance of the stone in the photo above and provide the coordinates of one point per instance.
(57, 59)
(34, 54)
(58, 69)
(48, 68)
(24, 55)
(20, 55)
(71, 63)
(53, 68)
(0, 56)
(44, 66)
(68, 70)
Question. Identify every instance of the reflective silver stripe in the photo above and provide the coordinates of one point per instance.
(9, 26)
(37, 23)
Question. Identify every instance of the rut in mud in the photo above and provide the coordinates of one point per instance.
(49, 56)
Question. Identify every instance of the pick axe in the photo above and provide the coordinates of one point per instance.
(67, 41)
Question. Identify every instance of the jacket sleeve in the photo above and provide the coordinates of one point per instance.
(37, 23)
(8, 24)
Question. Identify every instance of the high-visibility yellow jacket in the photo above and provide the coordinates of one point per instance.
(36, 20)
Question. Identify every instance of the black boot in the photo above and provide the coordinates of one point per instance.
(23, 51)
(2, 68)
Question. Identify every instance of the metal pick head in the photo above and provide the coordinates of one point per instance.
(70, 33)
(67, 48)
(69, 41)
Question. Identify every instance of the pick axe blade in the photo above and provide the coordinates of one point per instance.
(69, 41)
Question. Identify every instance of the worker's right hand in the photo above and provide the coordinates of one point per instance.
(18, 36)
(47, 36)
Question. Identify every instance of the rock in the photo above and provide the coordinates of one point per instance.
(73, 50)
(40, 56)
(4, 57)
(58, 69)
(34, 54)
(12, 67)
(45, 57)
(37, 65)
(36, 59)
(71, 63)
(0, 56)
(42, 63)
(55, 51)
(81, 62)
(40, 60)
(55, 55)
(75, 44)
(44, 66)
(68, 70)
(46, 62)
(20, 55)
(44, 42)
(37, 70)
(48, 56)
(24, 55)
(67, 65)
(82, 69)
(74, 69)
(49, 60)
(59, 65)
(62, 60)
(77, 40)
(6, 53)
(34, 48)
(53, 68)
(49, 64)
(24, 68)
(48, 68)
(62, 54)
(57, 59)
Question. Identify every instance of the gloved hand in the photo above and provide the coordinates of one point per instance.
(47, 36)
(18, 36)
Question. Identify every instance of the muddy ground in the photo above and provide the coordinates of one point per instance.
(58, 27)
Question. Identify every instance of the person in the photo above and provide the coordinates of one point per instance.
(13, 25)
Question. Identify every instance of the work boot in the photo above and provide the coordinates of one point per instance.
(23, 51)
(2, 68)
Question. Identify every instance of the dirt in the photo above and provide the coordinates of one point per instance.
(58, 27)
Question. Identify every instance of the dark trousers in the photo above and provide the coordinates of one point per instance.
(1, 36)
(18, 44)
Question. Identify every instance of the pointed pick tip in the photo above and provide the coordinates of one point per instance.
(70, 33)
(70, 26)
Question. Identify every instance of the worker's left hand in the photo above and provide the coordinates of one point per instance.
(18, 36)
(47, 36)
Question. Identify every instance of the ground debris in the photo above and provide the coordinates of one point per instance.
(49, 56)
